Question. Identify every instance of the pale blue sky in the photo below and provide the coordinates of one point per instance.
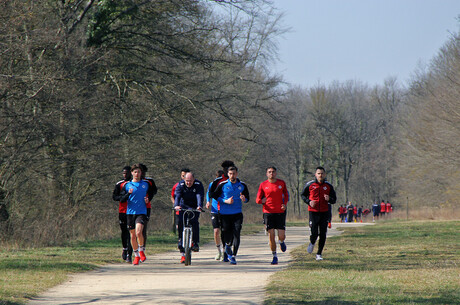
(366, 40)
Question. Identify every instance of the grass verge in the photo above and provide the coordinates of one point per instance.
(393, 262)
(26, 273)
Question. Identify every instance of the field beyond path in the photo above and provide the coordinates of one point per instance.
(163, 280)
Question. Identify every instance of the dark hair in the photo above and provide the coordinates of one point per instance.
(274, 168)
(127, 168)
(321, 168)
(135, 166)
(232, 168)
(220, 173)
(143, 167)
(226, 164)
(185, 170)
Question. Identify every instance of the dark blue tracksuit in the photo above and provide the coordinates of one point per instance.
(186, 198)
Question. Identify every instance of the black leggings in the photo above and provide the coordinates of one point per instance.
(319, 220)
(231, 230)
(125, 236)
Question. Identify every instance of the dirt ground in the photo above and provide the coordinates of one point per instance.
(163, 280)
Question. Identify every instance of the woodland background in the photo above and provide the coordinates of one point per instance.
(87, 87)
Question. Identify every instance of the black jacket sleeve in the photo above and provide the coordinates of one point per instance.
(116, 195)
(152, 189)
(245, 192)
(332, 196)
(217, 191)
(306, 193)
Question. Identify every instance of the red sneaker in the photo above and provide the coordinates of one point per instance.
(182, 260)
(142, 256)
(136, 260)
(329, 225)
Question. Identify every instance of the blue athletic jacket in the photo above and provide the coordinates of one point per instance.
(227, 189)
(189, 197)
(214, 203)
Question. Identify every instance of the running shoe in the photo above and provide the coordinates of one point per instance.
(218, 256)
(232, 260)
(182, 259)
(124, 254)
(275, 260)
(136, 260)
(319, 257)
(225, 259)
(128, 259)
(228, 250)
(142, 256)
(310, 248)
(195, 248)
(329, 225)
(283, 246)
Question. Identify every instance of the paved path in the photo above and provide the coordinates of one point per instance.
(163, 280)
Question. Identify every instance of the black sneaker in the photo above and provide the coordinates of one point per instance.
(124, 254)
(195, 248)
(128, 259)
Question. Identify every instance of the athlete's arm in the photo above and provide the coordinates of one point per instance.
(306, 194)
(260, 195)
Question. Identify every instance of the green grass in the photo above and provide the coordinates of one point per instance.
(26, 273)
(394, 262)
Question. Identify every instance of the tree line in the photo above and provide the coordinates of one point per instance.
(87, 87)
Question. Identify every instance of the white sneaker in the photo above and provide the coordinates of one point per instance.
(218, 256)
(310, 248)
(319, 257)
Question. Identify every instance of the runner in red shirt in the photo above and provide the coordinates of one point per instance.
(383, 208)
(273, 196)
(388, 208)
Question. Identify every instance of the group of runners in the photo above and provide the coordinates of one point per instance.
(381, 209)
(225, 197)
(355, 213)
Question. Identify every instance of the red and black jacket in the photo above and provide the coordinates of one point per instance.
(118, 194)
(314, 190)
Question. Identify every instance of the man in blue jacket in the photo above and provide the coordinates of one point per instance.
(189, 194)
(231, 194)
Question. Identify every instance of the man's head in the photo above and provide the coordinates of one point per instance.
(271, 173)
(136, 172)
(183, 171)
(320, 174)
(189, 179)
(126, 173)
(232, 173)
(220, 173)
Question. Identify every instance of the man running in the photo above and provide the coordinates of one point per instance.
(231, 194)
(225, 165)
(152, 192)
(215, 218)
(189, 194)
(317, 194)
(136, 193)
(273, 195)
(122, 206)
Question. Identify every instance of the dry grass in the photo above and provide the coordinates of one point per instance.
(393, 262)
